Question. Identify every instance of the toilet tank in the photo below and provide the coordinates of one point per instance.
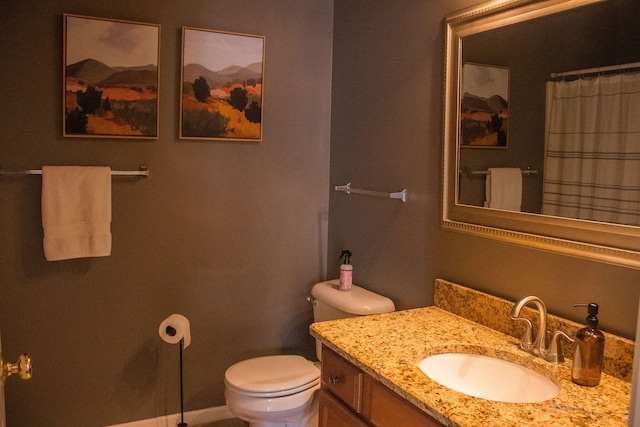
(330, 303)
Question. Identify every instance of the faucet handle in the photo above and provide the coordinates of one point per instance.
(526, 343)
(554, 354)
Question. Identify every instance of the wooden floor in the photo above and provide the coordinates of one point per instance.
(224, 423)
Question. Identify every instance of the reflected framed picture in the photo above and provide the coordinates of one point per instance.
(222, 85)
(110, 78)
(484, 106)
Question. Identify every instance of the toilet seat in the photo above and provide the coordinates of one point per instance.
(272, 376)
(281, 393)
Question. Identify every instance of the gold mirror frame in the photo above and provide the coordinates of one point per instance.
(610, 243)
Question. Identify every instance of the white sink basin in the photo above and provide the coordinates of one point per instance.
(488, 377)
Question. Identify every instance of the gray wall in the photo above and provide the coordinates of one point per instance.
(232, 235)
(386, 134)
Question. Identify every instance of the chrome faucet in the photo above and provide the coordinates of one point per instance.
(538, 347)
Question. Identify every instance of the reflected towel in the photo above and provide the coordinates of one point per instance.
(504, 189)
(76, 212)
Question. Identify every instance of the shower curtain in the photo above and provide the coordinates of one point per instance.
(592, 155)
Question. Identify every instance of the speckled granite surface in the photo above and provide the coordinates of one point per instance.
(389, 346)
(493, 312)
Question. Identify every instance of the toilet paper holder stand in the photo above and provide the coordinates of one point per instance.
(172, 332)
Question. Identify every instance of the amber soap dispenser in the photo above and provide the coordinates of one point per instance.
(587, 361)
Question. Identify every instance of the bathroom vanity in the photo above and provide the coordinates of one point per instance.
(370, 373)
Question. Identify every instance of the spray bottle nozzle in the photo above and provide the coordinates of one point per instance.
(346, 254)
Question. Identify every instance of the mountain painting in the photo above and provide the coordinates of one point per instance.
(484, 107)
(111, 78)
(222, 85)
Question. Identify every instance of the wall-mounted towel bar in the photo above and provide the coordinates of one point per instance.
(400, 195)
(143, 172)
(465, 171)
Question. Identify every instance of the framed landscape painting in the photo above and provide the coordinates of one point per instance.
(484, 106)
(110, 78)
(221, 85)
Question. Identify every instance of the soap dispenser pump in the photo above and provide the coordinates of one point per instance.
(346, 271)
(587, 361)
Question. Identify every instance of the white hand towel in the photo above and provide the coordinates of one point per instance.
(504, 189)
(76, 211)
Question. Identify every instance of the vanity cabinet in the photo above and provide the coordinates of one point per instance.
(352, 398)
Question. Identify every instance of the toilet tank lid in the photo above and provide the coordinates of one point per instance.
(357, 301)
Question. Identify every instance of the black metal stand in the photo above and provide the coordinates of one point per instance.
(181, 423)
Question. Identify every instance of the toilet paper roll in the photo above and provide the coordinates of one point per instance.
(175, 328)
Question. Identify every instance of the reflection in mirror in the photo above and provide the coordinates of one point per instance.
(578, 187)
(559, 93)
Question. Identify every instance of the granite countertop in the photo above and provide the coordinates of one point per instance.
(389, 346)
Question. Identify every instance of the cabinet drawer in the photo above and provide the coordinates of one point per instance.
(342, 379)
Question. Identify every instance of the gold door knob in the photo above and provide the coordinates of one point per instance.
(22, 367)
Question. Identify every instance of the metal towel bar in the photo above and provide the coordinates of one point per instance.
(400, 195)
(465, 171)
(143, 172)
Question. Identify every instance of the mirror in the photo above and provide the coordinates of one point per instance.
(519, 46)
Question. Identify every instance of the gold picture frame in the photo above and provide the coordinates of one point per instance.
(221, 85)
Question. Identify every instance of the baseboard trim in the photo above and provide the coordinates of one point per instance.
(201, 416)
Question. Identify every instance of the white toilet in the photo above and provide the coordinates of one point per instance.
(280, 391)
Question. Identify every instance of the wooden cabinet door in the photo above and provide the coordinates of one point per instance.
(335, 414)
(384, 408)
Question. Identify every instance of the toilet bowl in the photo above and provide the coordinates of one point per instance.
(273, 391)
(280, 391)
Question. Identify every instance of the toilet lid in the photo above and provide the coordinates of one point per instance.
(271, 374)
